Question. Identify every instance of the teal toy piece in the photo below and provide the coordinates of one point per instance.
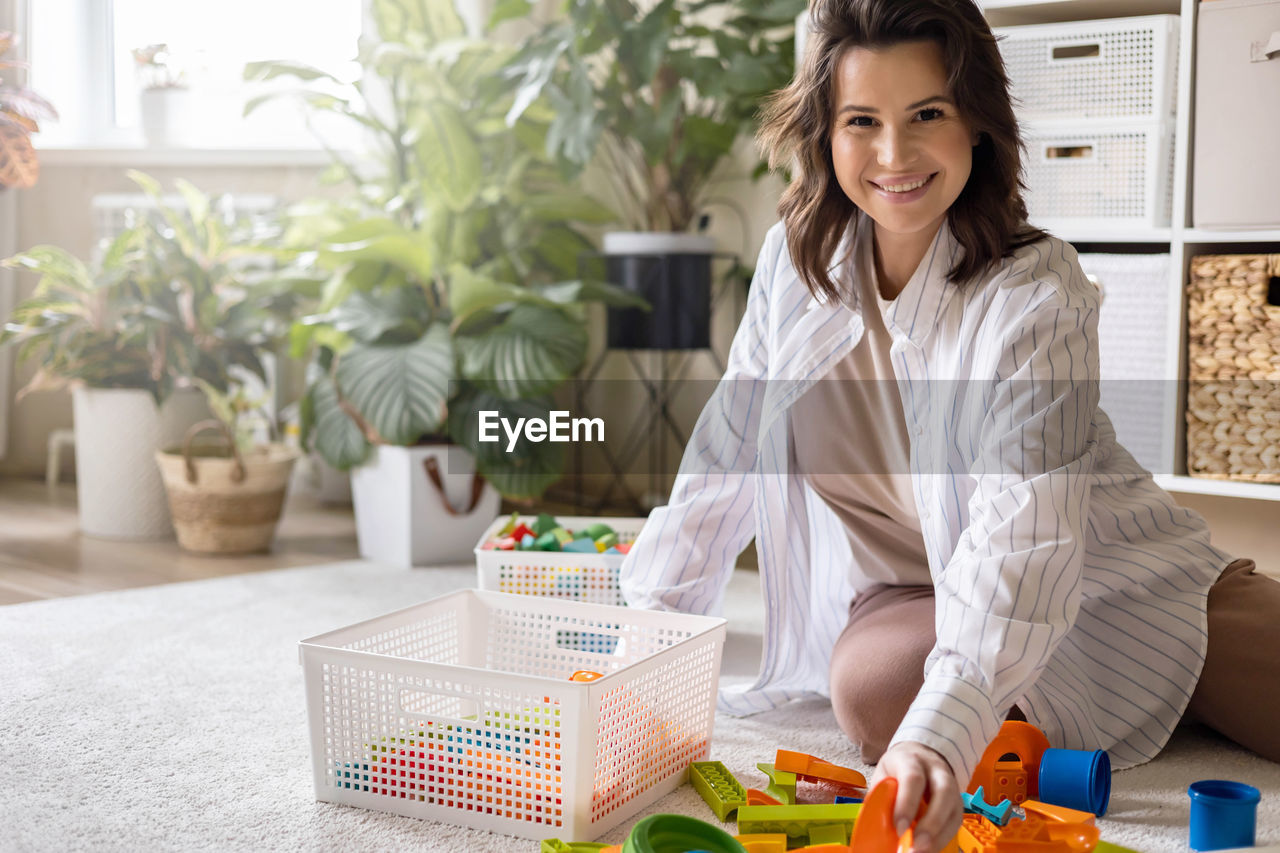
(976, 803)
(673, 833)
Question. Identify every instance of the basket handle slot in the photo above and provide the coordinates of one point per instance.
(1064, 153)
(1068, 52)
(594, 641)
(447, 708)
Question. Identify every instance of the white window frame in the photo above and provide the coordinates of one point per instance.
(82, 85)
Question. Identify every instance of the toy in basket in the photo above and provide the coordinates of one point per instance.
(570, 557)
(484, 709)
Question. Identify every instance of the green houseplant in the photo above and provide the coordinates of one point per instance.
(179, 297)
(451, 269)
(656, 95)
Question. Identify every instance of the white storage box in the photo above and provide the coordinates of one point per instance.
(1139, 383)
(1117, 68)
(1111, 176)
(1236, 180)
(461, 709)
(558, 574)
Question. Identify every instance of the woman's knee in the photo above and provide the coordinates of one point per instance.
(871, 694)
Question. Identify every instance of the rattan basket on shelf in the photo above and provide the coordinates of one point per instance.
(1233, 368)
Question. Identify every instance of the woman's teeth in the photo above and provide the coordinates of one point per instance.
(906, 188)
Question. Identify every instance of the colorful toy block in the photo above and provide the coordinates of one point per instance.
(763, 842)
(555, 845)
(1011, 780)
(815, 769)
(722, 792)
(782, 784)
(976, 803)
(757, 797)
(796, 821)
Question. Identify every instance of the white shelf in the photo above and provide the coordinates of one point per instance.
(1155, 236)
(142, 156)
(1006, 13)
(1220, 488)
(1200, 235)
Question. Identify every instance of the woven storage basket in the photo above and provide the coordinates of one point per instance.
(1233, 368)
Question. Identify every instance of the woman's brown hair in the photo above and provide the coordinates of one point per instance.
(988, 218)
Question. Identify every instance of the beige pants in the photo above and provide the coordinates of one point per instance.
(877, 666)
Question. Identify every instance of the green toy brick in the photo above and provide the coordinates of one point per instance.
(595, 531)
(608, 540)
(562, 536)
(829, 833)
(782, 784)
(718, 787)
(547, 542)
(555, 845)
(797, 821)
(544, 524)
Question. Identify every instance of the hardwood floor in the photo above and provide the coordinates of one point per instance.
(43, 554)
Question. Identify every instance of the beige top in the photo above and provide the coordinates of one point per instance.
(852, 445)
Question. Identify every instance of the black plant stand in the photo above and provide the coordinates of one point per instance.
(662, 373)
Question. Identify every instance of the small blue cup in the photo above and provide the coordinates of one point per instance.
(1077, 779)
(1223, 814)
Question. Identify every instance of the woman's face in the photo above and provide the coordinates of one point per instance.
(901, 151)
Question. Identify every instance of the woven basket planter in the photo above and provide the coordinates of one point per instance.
(1233, 369)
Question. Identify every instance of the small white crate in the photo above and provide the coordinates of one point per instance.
(460, 709)
(1117, 68)
(558, 574)
(1105, 175)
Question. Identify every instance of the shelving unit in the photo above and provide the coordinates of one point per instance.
(1181, 241)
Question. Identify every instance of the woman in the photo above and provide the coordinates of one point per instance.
(951, 476)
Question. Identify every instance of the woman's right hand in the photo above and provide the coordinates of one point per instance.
(923, 776)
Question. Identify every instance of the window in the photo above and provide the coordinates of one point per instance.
(82, 55)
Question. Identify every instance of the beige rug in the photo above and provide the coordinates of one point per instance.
(172, 718)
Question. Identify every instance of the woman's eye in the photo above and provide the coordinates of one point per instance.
(930, 113)
(860, 121)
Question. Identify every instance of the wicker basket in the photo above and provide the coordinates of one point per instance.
(1233, 368)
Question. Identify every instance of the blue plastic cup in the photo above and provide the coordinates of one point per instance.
(1223, 814)
(1076, 779)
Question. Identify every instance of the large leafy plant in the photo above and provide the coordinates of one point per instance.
(451, 271)
(659, 96)
(181, 297)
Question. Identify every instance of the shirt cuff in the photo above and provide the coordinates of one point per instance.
(953, 717)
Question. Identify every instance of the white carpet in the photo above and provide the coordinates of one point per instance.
(172, 718)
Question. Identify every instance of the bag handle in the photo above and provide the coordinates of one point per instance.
(433, 475)
(237, 474)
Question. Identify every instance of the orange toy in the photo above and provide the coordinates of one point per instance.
(1015, 778)
(817, 770)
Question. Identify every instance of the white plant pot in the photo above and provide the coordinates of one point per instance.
(165, 115)
(118, 431)
(401, 519)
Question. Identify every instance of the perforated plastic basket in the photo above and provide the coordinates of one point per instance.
(1118, 68)
(1105, 175)
(558, 574)
(460, 709)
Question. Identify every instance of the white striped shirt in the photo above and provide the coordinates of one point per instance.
(1066, 580)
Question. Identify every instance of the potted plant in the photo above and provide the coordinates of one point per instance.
(226, 497)
(452, 286)
(176, 298)
(657, 95)
(20, 111)
(163, 98)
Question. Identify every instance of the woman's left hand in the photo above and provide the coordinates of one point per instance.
(923, 776)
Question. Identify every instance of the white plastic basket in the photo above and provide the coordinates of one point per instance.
(558, 574)
(1105, 175)
(460, 709)
(1117, 68)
